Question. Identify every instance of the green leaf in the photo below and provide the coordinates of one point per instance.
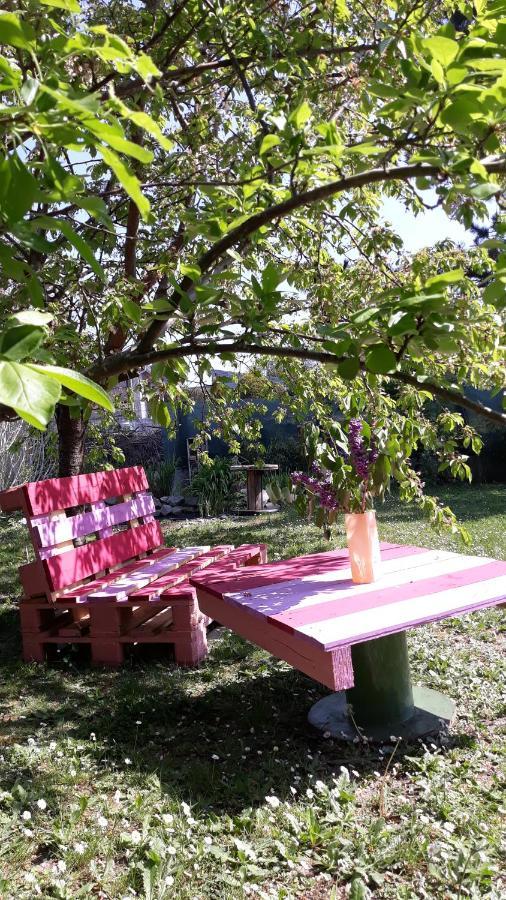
(495, 293)
(438, 71)
(77, 383)
(97, 208)
(366, 149)
(132, 309)
(450, 277)
(29, 89)
(191, 271)
(349, 368)
(381, 360)
(29, 393)
(485, 190)
(271, 277)
(401, 323)
(18, 188)
(10, 78)
(127, 179)
(462, 113)
(113, 137)
(300, 115)
(13, 268)
(364, 315)
(146, 68)
(159, 413)
(82, 246)
(142, 120)
(15, 32)
(442, 49)
(337, 347)
(69, 5)
(31, 317)
(269, 141)
(358, 890)
(20, 341)
(34, 291)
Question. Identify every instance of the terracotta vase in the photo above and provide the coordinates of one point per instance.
(363, 546)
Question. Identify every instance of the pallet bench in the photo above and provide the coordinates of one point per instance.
(102, 575)
(350, 637)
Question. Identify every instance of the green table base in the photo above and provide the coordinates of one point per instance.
(383, 703)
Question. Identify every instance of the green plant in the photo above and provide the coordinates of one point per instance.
(213, 484)
(279, 489)
(161, 476)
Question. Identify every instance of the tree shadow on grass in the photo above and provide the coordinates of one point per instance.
(223, 736)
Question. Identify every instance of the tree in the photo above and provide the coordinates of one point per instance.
(40, 124)
(274, 132)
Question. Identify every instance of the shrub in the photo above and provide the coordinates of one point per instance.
(161, 477)
(279, 489)
(213, 485)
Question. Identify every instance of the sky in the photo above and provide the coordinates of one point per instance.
(425, 229)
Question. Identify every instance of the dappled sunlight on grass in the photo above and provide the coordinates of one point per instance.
(156, 782)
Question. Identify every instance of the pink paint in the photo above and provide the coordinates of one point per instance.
(401, 615)
(75, 565)
(310, 615)
(125, 584)
(332, 669)
(40, 497)
(166, 582)
(55, 531)
(282, 596)
(435, 585)
(129, 566)
(293, 569)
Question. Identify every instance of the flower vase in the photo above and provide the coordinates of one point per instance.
(363, 546)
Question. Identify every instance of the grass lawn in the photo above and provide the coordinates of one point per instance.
(157, 783)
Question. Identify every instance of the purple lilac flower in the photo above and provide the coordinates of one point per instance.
(362, 458)
(359, 455)
(373, 453)
(320, 487)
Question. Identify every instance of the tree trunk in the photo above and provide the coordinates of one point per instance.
(71, 434)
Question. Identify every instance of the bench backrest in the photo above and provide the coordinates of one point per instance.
(76, 534)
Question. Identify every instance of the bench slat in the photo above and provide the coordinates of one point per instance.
(80, 594)
(166, 582)
(58, 572)
(124, 584)
(48, 531)
(40, 497)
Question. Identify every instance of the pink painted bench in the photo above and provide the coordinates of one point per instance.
(308, 612)
(101, 573)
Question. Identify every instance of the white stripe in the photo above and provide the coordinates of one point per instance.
(358, 626)
(132, 581)
(328, 587)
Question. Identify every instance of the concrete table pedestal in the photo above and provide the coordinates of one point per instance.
(383, 703)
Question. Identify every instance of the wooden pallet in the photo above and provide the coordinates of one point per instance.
(101, 574)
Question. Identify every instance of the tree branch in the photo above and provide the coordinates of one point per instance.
(184, 74)
(279, 210)
(135, 361)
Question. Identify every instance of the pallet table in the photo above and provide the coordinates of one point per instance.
(350, 637)
(102, 575)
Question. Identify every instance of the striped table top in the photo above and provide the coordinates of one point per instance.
(314, 597)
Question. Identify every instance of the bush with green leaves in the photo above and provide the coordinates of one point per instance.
(161, 476)
(279, 489)
(213, 485)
